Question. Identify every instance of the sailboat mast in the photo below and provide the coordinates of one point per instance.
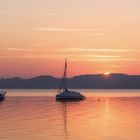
(63, 85)
(65, 75)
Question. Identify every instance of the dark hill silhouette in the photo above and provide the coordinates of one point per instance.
(100, 81)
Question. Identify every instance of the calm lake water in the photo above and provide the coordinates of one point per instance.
(104, 115)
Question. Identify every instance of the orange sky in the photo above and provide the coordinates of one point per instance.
(96, 36)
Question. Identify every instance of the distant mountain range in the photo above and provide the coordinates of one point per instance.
(100, 81)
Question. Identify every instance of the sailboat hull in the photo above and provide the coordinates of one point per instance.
(69, 95)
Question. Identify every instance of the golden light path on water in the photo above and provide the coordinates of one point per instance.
(104, 115)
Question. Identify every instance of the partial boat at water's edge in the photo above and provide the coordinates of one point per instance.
(2, 95)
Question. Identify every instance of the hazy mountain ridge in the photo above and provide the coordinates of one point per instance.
(100, 81)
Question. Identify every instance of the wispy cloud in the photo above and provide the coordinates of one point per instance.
(104, 56)
(24, 57)
(48, 14)
(85, 58)
(32, 56)
(93, 34)
(49, 29)
(22, 49)
(83, 54)
(114, 66)
(39, 44)
(36, 56)
(109, 59)
(98, 50)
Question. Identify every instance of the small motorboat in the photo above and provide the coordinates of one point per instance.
(64, 93)
(2, 95)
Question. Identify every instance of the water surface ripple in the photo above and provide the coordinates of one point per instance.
(104, 115)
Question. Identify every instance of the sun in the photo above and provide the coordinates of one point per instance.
(106, 73)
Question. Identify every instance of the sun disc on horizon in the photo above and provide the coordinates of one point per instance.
(106, 73)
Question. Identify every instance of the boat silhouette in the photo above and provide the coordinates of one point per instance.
(2, 95)
(64, 93)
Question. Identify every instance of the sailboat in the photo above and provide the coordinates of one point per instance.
(2, 95)
(64, 93)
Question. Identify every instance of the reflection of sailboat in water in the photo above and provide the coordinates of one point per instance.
(64, 93)
(65, 119)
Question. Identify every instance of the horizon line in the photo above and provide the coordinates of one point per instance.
(68, 77)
